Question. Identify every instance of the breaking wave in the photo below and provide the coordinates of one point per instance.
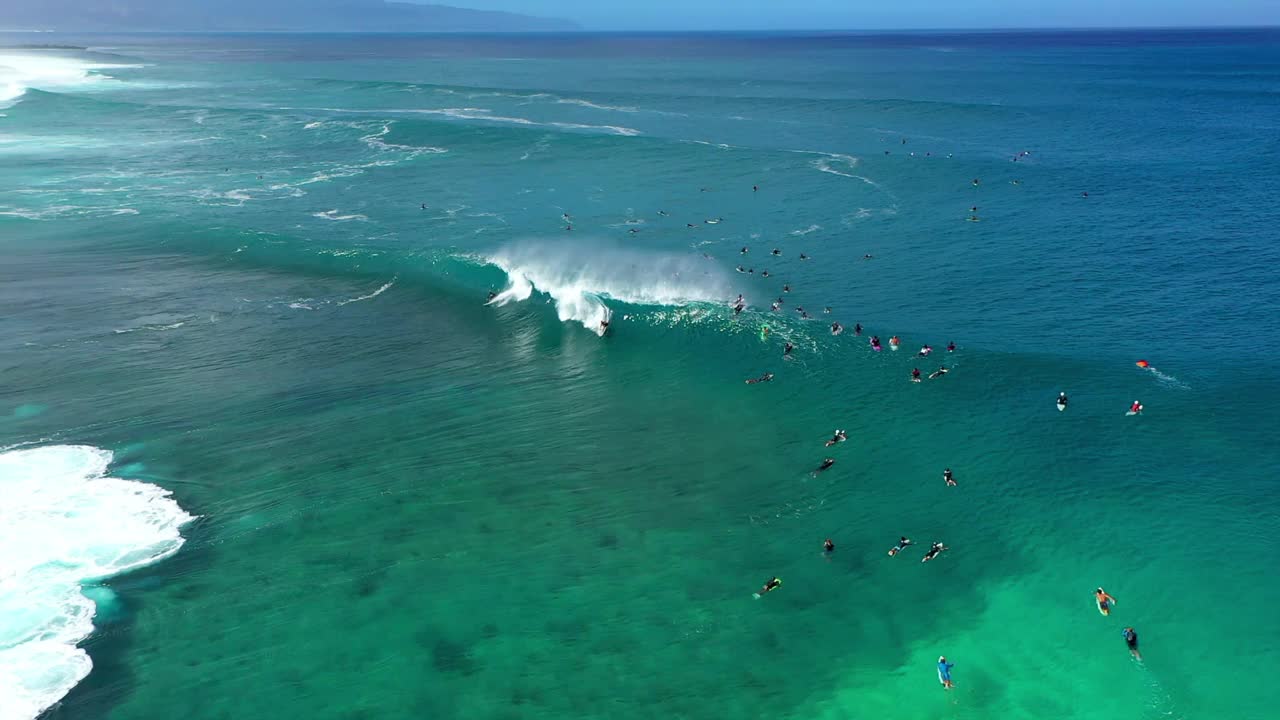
(582, 279)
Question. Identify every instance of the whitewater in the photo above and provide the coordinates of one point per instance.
(66, 526)
(581, 277)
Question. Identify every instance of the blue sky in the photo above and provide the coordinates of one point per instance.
(881, 14)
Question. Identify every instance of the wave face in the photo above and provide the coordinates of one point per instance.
(63, 524)
(580, 277)
(21, 71)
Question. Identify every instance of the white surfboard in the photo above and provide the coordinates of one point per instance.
(1061, 407)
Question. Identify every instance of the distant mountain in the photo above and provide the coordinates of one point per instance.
(250, 15)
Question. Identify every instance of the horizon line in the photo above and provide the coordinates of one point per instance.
(671, 31)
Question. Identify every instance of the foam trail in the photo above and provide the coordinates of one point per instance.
(579, 278)
(370, 296)
(63, 523)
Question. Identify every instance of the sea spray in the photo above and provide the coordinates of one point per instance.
(581, 276)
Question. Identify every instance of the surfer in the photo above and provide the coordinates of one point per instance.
(786, 349)
(867, 256)
(604, 327)
(1135, 408)
(741, 269)
(774, 307)
(786, 288)
(755, 188)
(836, 328)
(424, 206)
(915, 375)
(827, 309)
(492, 295)
(803, 256)
(743, 250)
(1131, 639)
(948, 478)
(944, 673)
(828, 546)
(894, 342)
(663, 213)
(857, 328)
(737, 309)
(775, 251)
(771, 584)
(763, 378)
(938, 373)
(933, 552)
(924, 351)
(951, 347)
(975, 182)
(1104, 600)
(1062, 400)
(828, 462)
(764, 273)
(875, 342)
(691, 225)
(838, 436)
(903, 542)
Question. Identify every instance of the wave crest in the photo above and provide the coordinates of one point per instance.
(580, 277)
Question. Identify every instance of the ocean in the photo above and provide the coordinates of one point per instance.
(307, 408)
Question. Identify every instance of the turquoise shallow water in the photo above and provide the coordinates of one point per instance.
(255, 268)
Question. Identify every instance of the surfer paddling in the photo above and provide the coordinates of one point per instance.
(1131, 639)
(1104, 601)
(825, 464)
(1135, 408)
(934, 551)
(769, 586)
(944, 673)
(903, 542)
(838, 436)
(763, 378)
(948, 478)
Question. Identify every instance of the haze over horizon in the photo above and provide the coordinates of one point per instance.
(612, 15)
(899, 15)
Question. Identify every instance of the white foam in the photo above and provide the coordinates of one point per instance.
(21, 71)
(580, 278)
(333, 215)
(63, 523)
(807, 230)
(370, 296)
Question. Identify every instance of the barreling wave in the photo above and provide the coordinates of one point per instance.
(582, 279)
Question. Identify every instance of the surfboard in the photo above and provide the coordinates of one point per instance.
(893, 347)
(1101, 609)
(1061, 407)
(1133, 413)
(915, 379)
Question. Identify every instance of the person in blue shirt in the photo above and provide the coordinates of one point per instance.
(1131, 639)
(944, 673)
